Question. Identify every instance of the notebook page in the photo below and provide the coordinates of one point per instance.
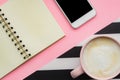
(34, 24)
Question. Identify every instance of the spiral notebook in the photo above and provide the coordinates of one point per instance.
(26, 28)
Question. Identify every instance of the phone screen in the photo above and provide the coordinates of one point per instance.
(74, 9)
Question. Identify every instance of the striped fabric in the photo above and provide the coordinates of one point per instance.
(59, 69)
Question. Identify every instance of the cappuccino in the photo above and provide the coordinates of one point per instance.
(101, 57)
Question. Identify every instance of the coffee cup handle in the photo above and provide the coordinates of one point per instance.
(77, 72)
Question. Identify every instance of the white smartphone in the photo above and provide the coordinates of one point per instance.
(77, 12)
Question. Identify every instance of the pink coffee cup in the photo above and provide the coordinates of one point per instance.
(99, 58)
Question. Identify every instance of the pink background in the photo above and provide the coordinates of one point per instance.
(107, 12)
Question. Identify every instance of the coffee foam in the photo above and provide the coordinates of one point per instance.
(101, 57)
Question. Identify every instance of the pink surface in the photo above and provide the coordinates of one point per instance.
(107, 12)
(2, 1)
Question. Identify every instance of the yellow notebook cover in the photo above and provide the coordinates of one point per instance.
(27, 27)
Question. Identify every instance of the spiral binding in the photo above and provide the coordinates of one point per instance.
(14, 38)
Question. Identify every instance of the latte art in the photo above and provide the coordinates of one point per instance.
(101, 57)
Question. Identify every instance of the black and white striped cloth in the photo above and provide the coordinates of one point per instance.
(59, 69)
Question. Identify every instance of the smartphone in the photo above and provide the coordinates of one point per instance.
(77, 12)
